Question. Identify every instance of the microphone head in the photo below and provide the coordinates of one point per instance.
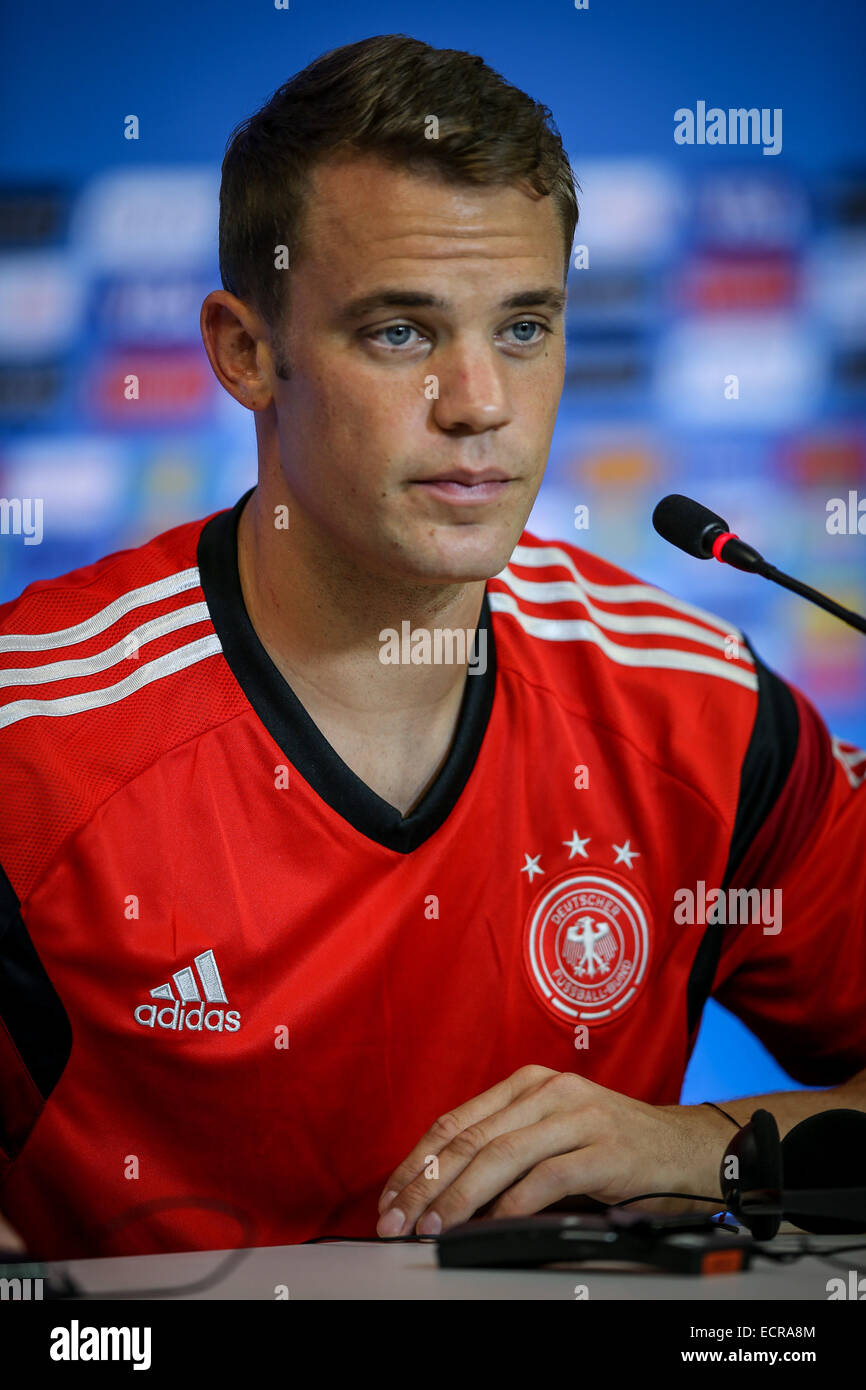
(688, 525)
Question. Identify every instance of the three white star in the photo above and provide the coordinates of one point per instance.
(577, 845)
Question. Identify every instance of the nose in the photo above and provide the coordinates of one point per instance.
(472, 390)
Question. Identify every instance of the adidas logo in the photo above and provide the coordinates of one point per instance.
(176, 1015)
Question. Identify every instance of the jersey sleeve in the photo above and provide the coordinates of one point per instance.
(797, 976)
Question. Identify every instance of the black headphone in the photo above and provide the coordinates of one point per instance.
(815, 1177)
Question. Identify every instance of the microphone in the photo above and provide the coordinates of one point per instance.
(704, 534)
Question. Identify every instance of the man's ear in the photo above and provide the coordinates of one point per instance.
(236, 340)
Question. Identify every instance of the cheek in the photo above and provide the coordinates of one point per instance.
(555, 379)
(345, 402)
(346, 434)
(540, 393)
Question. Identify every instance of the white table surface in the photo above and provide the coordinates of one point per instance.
(388, 1271)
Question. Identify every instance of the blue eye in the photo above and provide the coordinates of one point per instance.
(529, 324)
(402, 330)
(525, 333)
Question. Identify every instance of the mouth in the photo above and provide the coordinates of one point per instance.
(465, 487)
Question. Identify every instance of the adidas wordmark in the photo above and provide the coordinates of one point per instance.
(199, 1018)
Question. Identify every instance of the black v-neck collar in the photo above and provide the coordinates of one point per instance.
(303, 743)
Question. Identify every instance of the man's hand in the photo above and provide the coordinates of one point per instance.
(543, 1135)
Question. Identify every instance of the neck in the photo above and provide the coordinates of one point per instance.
(320, 616)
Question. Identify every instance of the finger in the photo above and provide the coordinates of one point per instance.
(551, 1143)
(559, 1091)
(449, 1125)
(398, 1216)
(551, 1180)
(427, 1186)
(9, 1237)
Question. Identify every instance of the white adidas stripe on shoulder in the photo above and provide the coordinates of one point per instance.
(537, 557)
(585, 630)
(569, 591)
(582, 630)
(121, 651)
(124, 650)
(106, 617)
(144, 674)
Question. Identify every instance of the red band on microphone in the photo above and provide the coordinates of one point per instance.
(723, 540)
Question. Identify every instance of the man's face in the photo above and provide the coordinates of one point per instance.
(426, 352)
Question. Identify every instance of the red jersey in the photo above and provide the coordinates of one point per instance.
(230, 971)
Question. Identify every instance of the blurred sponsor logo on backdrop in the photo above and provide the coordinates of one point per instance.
(716, 332)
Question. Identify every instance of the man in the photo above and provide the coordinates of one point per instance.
(303, 920)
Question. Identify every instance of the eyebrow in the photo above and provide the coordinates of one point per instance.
(549, 297)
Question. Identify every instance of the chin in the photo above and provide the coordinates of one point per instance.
(462, 559)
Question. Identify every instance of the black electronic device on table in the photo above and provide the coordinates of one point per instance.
(681, 1243)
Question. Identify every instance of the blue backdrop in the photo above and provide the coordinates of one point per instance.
(716, 323)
